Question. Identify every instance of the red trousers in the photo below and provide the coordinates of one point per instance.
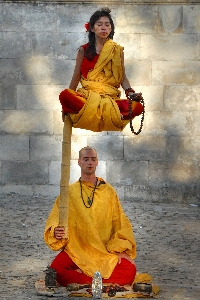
(72, 102)
(124, 273)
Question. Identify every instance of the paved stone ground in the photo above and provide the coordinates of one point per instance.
(168, 243)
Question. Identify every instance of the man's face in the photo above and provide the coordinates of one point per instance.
(88, 161)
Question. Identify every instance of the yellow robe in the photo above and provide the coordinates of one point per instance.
(100, 112)
(96, 234)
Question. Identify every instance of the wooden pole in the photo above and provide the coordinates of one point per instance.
(65, 174)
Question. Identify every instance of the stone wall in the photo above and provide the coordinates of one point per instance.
(38, 46)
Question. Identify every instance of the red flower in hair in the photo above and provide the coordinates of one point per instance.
(87, 26)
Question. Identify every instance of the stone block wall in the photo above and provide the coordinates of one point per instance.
(38, 46)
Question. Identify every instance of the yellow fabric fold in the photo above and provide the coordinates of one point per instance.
(142, 278)
(100, 112)
(106, 231)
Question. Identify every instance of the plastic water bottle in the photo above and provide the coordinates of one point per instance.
(97, 285)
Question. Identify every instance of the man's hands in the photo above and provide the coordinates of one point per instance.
(124, 255)
(59, 232)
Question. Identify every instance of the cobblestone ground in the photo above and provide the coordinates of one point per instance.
(168, 246)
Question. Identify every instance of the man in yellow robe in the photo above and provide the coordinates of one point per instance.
(100, 236)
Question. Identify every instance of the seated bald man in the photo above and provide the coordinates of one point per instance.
(100, 236)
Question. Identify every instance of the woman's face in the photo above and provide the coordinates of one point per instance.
(102, 27)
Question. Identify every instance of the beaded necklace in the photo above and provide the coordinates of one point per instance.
(89, 201)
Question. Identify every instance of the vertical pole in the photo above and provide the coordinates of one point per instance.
(65, 174)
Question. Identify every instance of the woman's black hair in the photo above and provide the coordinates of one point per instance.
(104, 12)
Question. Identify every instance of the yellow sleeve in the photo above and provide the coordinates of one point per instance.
(122, 239)
(52, 222)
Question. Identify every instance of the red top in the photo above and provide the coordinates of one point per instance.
(87, 65)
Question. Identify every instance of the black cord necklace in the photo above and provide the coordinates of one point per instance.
(89, 201)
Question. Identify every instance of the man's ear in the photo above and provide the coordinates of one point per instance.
(79, 162)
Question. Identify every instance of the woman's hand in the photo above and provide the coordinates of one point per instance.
(135, 96)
